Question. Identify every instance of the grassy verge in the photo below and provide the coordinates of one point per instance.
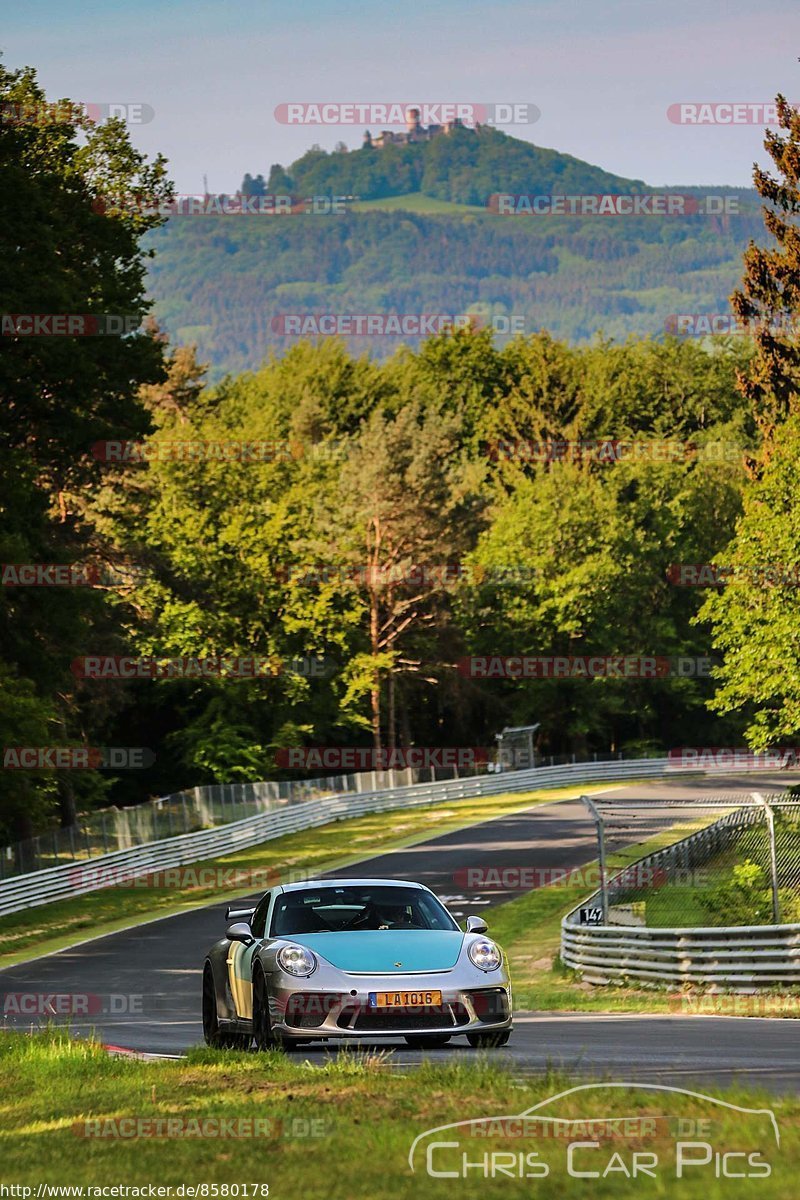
(345, 1129)
(418, 203)
(55, 926)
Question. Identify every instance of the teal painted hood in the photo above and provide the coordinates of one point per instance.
(379, 951)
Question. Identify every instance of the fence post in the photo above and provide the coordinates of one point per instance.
(601, 853)
(773, 857)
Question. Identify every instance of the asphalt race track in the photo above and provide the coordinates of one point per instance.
(142, 986)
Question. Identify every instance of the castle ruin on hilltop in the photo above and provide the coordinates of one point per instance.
(415, 132)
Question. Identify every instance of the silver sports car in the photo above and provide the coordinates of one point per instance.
(354, 958)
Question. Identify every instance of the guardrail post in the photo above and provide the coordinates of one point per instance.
(773, 856)
(601, 854)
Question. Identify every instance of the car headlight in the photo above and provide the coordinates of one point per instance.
(296, 960)
(485, 955)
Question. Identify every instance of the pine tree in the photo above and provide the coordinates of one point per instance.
(769, 299)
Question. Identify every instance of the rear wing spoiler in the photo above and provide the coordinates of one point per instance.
(238, 914)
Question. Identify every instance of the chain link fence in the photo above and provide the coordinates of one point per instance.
(108, 830)
(206, 807)
(719, 862)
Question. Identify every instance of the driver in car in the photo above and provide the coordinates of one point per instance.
(393, 916)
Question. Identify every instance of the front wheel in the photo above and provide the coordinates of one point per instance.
(220, 1039)
(262, 1026)
(488, 1041)
(427, 1041)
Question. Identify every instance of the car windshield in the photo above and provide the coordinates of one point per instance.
(357, 907)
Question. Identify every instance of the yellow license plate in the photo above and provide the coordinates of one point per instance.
(404, 999)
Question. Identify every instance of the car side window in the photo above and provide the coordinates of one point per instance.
(258, 922)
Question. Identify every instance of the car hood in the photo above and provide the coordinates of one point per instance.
(386, 951)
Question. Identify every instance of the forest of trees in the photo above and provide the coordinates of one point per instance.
(223, 282)
(368, 526)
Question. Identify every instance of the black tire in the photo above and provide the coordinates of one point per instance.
(427, 1041)
(262, 1026)
(220, 1039)
(488, 1041)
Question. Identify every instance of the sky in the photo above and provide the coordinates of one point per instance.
(602, 73)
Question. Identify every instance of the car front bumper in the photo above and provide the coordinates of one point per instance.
(311, 1008)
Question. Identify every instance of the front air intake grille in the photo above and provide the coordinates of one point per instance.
(490, 1004)
(308, 1010)
(386, 1020)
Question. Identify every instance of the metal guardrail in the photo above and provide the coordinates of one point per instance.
(747, 956)
(743, 957)
(75, 879)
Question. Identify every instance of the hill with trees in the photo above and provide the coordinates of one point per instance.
(466, 166)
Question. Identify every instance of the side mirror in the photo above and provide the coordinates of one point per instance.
(476, 925)
(240, 932)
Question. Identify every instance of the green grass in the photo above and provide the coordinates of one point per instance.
(51, 927)
(671, 906)
(344, 1129)
(418, 203)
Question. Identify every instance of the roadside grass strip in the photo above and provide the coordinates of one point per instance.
(353, 1128)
